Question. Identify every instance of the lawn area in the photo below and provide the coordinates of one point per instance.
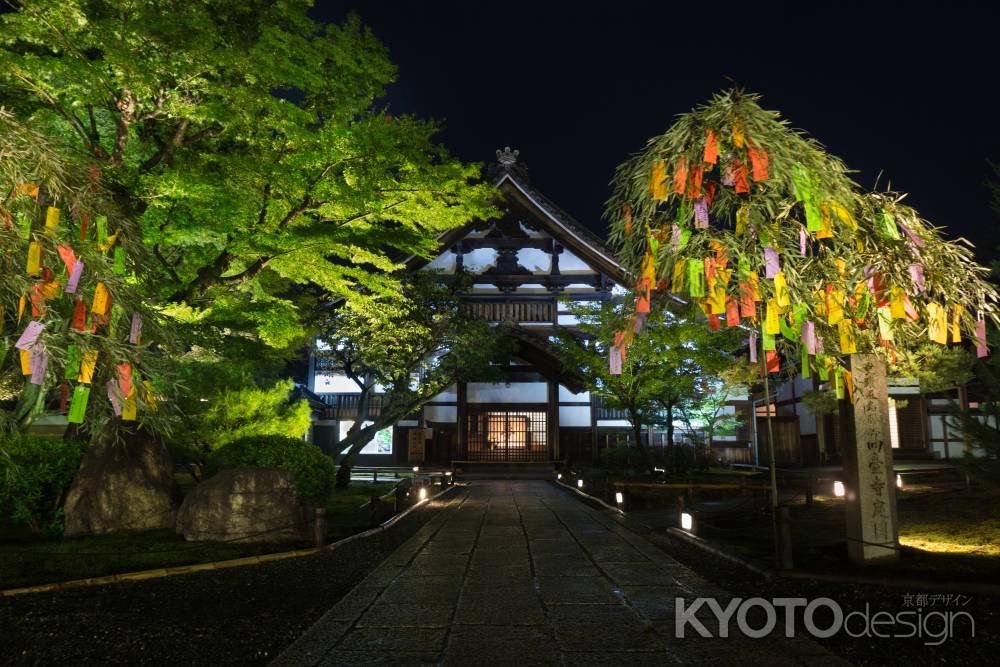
(947, 530)
(28, 560)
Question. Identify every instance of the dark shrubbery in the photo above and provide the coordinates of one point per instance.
(312, 468)
(680, 460)
(35, 473)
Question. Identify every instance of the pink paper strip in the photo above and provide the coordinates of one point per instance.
(981, 350)
(773, 266)
(615, 361)
(809, 336)
(675, 236)
(30, 335)
(38, 362)
(914, 239)
(133, 336)
(802, 241)
(917, 276)
(113, 396)
(640, 321)
(753, 347)
(701, 214)
(74, 277)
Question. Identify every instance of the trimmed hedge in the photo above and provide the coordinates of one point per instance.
(313, 470)
(35, 472)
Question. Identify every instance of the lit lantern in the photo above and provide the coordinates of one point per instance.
(422, 495)
(838, 489)
(558, 475)
(619, 497)
(899, 481)
(687, 521)
(579, 483)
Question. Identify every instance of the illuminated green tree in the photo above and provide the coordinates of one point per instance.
(665, 370)
(246, 143)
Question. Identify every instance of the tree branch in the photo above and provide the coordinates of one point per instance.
(167, 151)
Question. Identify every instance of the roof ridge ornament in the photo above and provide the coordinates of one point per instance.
(507, 158)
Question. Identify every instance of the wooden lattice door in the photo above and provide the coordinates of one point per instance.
(507, 436)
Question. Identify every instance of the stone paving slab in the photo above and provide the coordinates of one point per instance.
(523, 573)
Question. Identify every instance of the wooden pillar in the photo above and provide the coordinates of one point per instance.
(963, 403)
(461, 426)
(872, 529)
(593, 429)
(552, 418)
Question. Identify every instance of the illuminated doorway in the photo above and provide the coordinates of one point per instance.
(507, 435)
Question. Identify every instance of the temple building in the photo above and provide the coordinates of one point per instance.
(525, 265)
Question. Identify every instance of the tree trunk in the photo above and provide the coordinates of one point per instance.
(355, 442)
(637, 434)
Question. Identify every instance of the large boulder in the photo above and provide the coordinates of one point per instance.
(245, 505)
(122, 486)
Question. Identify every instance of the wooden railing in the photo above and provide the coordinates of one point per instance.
(512, 310)
(345, 406)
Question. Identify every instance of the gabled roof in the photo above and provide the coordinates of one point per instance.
(512, 181)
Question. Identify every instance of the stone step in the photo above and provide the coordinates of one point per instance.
(513, 470)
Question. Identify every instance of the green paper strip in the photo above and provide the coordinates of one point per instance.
(696, 277)
(25, 223)
(839, 383)
(78, 406)
(791, 333)
(889, 229)
(73, 357)
(822, 368)
(102, 228)
(805, 363)
(768, 341)
(119, 265)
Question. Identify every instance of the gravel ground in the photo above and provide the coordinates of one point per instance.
(961, 650)
(242, 616)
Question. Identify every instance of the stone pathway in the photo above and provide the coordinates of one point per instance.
(523, 573)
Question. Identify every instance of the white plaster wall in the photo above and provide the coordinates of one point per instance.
(445, 262)
(569, 320)
(479, 259)
(614, 422)
(440, 413)
(535, 260)
(570, 264)
(449, 394)
(517, 392)
(327, 383)
(574, 415)
(566, 395)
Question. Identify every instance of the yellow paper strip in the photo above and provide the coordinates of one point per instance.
(51, 220)
(129, 407)
(848, 344)
(956, 324)
(87, 366)
(34, 258)
(771, 324)
(100, 306)
(781, 290)
(835, 307)
(25, 362)
(937, 323)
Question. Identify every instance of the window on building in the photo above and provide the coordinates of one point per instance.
(893, 424)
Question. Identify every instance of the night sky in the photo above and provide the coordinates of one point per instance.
(908, 91)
